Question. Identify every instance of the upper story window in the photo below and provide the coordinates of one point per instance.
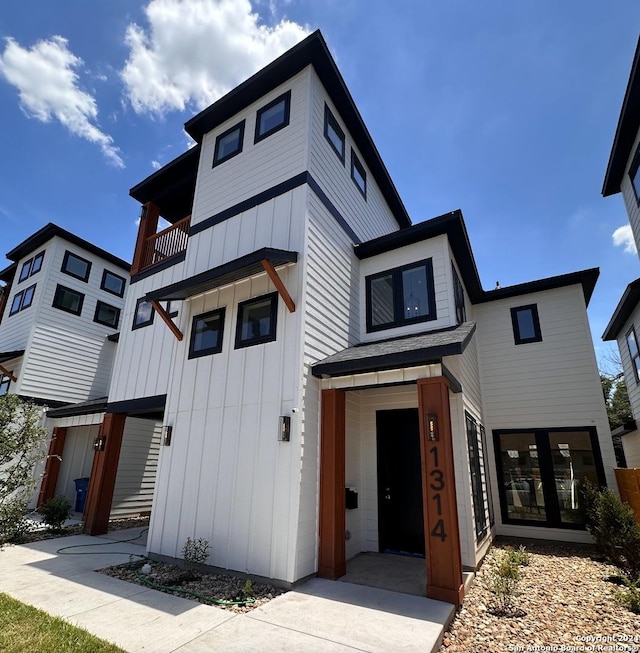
(358, 174)
(333, 133)
(113, 283)
(458, 296)
(634, 174)
(634, 353)
(31, 267)
(228, 144)
(172, 308)
(526, 325)
(76, 266)
(67, 299)
(5, 382)
(400, 296)
(22, 299)
(144, 314)
(273, 116)
(257, 321)
(107, 315)
(206, 333)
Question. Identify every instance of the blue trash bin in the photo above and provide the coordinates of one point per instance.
(81, 493)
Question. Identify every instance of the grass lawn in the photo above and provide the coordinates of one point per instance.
(23, 628)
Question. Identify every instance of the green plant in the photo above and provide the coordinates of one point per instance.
(55, 512)
(247, 589)
(195, 552)
(502, 581)
(519, 557)
(629, 597)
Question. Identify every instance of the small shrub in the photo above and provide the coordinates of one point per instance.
(502, 582)
(629, 597)
(519, 557)
(247, 589)
(195, 552)
(55, 512)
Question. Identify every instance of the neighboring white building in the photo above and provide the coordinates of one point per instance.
(623, 176)
(330, 378)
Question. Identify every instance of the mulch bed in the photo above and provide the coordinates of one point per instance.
(565, 597)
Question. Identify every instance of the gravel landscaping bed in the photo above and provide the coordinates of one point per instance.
(566, 598)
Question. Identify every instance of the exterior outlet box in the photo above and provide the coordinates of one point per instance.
(350, 498)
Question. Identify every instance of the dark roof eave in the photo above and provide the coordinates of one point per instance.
(10, 355)
(627, 304)
(83, 408)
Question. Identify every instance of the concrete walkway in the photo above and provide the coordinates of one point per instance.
(320, 615)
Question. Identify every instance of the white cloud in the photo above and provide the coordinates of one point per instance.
(156, 165)
(623, 237)
(194, 51)
(48, 86)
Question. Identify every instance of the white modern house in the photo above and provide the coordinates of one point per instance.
(330, 378)
(623, 176)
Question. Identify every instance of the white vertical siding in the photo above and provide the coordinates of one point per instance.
(630, 201)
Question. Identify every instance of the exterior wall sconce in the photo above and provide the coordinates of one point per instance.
(167, 432)
(99, 443)
(432, 427)
(284, 428)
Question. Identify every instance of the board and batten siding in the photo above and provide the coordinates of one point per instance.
(553, 383)
(633, 386)
(630, 201)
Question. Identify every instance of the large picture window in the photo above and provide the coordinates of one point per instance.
(401, 296)
(68, 300)
(540, 472)
(206, 333)
(257, 320)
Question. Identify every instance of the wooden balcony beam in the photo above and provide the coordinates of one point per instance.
(277, 282)
(5, 371)
(166, 319)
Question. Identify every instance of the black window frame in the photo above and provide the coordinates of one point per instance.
(25, 266)
(398, 299)
(269, 337)
(65, 262)
(171, 313)
(286, 98)
(23, 304)
(146, 323)
(103, 286)
(537, 337)
(15, 308)
(38, 258)
(477, 474)
(634, 174)
(547, 475)
(198, 353)
(96, 319)
(217, 160)
(356, 165)
(458, 296)
(330, 121)
(56, 298)
(5, 383)
(635, 359)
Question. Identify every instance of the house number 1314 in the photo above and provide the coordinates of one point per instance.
(437, 484)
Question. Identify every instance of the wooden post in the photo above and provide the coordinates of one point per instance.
(103, 474)
(166, 319)
(442, 538)
(332, 554)
(148, 226)
(52, 465)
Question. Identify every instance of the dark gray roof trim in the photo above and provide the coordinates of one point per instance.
(406, 351)
(628, 124)
(239, 268)
(83, 408)
(10, 355)
(624, 309)
(311, 51)
(8, 273)
(158, 267)
(141, 406)
(48, 232)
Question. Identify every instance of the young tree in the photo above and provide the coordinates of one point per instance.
(21, 449)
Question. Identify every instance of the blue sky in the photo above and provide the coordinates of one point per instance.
(506, 110)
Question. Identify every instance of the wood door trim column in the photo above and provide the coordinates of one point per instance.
(442, 537)
(103, 474)
(332, 550)
(52, 465)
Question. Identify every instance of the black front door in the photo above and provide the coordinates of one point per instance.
(400, 516)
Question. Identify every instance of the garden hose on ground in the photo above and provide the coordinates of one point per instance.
(66, 550)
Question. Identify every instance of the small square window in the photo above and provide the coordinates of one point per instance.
(37, 263)
(26, 270)
(107, 315)
(228, 144)
(172, 308)
(333, 133)
(358, 174)
(15, 304)
(206, 333)
(634, 352)
(27, 298)
(113, 283)
(273, 117)
(68, 300)
(5, 382)
(257, 321)
(144, 314)
(76, 266)
(526, 325)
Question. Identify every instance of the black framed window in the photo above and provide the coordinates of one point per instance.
(107, 315)
(26, 270)
(17, 301)
(228, 144)
(257, 320)
(526, 324)
(458, 297)
(22, 299)
(144, 314)
(76, 266)
(478, 477)
(37, 263)
(358, 174)
(5, 382)
(31, 267)
(273, 117)
(540, 472)
(172, 308)
(67, 299)
(634, 174)
(333, 133)
(206, 333)
(113, 283)
(401, 296)
(634, 352)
